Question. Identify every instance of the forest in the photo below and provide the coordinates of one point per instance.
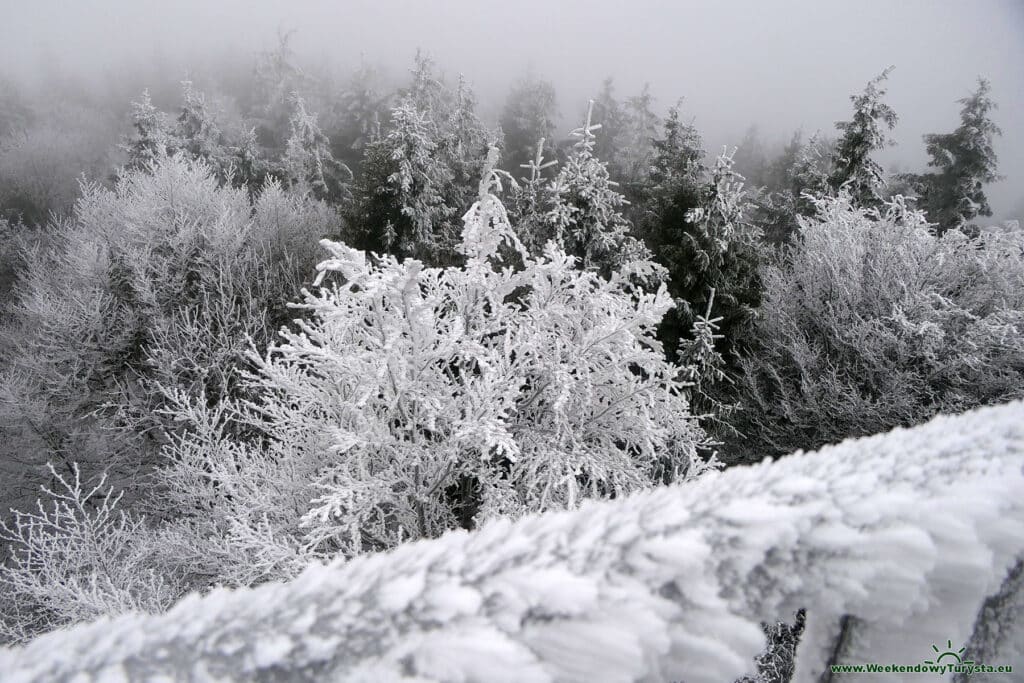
(297, 315)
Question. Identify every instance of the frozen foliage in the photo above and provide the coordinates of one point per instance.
(873, 322)
(77, 559)
(163, 277)
(308, 162)
(695, 221)
(965, 161)
(151, 136)
(585, 215)
(412, 400)
(853, 169)
(420, 171)
(197, 132)
(906, 532)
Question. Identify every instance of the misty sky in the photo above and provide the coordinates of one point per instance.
(781, 65)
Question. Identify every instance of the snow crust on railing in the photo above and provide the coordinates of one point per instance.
(907, 532)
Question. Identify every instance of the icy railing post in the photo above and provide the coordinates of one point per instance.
(912, 534)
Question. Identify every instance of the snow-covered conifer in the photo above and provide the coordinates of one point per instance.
(852, 165)
(953, 195)
(585, 215)
(423, 165)
(308, 162)
(152, 137)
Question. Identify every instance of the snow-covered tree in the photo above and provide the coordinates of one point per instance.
(469, 139)
(640, 131)
(277, 78)
(852, 165)
(152, 135)
(401, 205)
(531, 202)
(233, 154)
(793, 180)
(953, 195)
(198, 133)
(308, 163)
(424, 163)
(611, 115)
(910, 539)
(586, 208)
(413, 400)
(362, 108)
(695, 224)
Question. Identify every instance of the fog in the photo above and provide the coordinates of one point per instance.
(779, 65)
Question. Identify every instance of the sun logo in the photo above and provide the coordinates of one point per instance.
(948, 653)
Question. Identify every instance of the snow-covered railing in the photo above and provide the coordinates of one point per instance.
(904, 534)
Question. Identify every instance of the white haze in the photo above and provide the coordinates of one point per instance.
(779, 65)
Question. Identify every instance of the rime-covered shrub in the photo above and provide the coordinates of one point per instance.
(75, 558)
(873, 322)
(412, 400)
(164, 277)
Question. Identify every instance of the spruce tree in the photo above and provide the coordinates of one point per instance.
(363, 107)
(401, 207)
(852, 165)
(308, 162)
(953, 195)
(277, 77)
(641, 127)
(197, 134)
(586, 208)
(421, 167)
(610, 114)
(152, 134)
(531, 203)
(696, 226)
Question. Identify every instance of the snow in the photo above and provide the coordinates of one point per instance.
(910, 532)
